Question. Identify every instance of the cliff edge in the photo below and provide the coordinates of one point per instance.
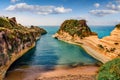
(15, 40)
(77, 32)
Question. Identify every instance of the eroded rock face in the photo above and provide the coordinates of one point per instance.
(77, 32)
(76, 27)
(15, 38)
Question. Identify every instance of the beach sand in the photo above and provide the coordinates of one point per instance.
(58, 73)
(78, 73)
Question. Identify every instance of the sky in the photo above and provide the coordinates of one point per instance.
(54, 12)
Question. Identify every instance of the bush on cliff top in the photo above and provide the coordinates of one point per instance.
(110, 70)
(14, 35)
(118, 26)
(4, 22)
(76, 27)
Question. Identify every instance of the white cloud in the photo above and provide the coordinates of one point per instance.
(38, 20)
(117, 1)
(24, 7)
(96, 21)
(97, 5)
(102, 12)
(13, 1)
(110, 8)
(113, 6)
(61, 10)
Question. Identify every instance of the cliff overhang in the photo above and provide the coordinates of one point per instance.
(15, 41)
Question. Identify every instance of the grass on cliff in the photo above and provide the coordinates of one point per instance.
(70, 26)
(14, 35)
(76, 27)
(4, 22)
(110, 70)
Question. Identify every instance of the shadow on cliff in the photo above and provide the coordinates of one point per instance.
(46, 61)
(23, 60)
(31, 64)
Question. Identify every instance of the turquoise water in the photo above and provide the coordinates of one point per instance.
(50, 52)
(102, 30)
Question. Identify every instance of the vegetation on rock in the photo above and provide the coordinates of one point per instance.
(100, 46)
(110, 70)
(14, 37)
(118, 26)
(76, 27)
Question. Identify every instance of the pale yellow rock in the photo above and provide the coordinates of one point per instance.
(111, 44)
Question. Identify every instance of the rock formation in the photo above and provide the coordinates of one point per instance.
(77, 32)
(15, 40)
(76, 28)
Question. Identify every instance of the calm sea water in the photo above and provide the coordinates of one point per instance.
(50, 52)
(102, 30)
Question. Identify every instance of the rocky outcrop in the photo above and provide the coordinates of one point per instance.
(15, 40)
(76, 28)
(104, 49)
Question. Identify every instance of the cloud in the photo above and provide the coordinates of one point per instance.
(110, 8)
(24, 7)
(102, 12)
(97, 5)
(117, 1)
(13, 1)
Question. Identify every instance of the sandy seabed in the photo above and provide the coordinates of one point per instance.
(58, 73)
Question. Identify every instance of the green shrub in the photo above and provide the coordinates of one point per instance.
(4, 22)
(110, 70)
(100, 46)
(75, 27)
(15, 35)
(118, 26)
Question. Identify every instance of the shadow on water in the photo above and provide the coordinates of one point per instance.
(48, 59)
(30, 66)
(23, 60)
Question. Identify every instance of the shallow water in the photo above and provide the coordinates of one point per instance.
(48, 54)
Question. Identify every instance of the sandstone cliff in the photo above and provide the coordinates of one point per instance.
(15, 40)
(104, 49)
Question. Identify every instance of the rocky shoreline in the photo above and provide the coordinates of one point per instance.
(97, 55)
(104, 49)
(15, 41)
(13, 58)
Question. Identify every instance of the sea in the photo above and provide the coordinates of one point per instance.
(50, 52)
